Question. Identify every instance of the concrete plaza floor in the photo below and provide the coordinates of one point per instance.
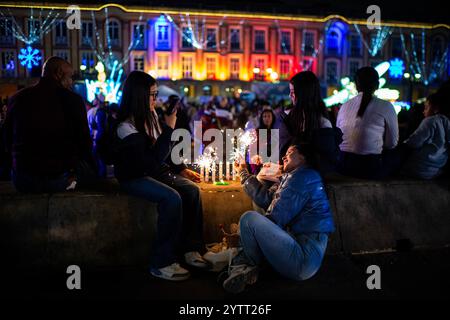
(416, 274)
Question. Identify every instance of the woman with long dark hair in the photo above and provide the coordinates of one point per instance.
(144, 169)
(370, 131)
(308, 121)
(267, 122)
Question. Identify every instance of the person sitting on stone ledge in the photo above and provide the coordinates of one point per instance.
(47, 134)
(429, 144)
(144, 169)
(292, 236)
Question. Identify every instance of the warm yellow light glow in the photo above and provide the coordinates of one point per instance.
(269, 70)
(239, 90)
(256, 70)
(153, 73)
(407, 75)
(186, 89)
(274, 76)
(82, 67)
(222, 13)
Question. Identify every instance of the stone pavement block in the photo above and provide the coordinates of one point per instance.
(100, 230)
(23, 229)
(374, 215)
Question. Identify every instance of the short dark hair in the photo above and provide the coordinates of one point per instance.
(308, 152)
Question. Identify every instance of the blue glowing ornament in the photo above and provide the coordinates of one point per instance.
(396, 68)
(10, 65)
(29, 57)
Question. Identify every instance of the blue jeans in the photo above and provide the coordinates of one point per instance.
(297, 258)
(180, 215)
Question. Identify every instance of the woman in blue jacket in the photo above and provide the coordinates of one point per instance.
(144, 169)
(292, 236)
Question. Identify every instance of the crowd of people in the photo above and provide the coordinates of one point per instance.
(52, 143)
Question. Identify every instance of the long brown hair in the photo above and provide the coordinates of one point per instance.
(306, 115)
(135, 102)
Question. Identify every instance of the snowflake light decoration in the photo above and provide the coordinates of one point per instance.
(396, 69)
(29, 57)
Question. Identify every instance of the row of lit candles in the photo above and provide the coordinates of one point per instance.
(206, 169)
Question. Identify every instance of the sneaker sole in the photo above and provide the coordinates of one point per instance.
(176, 278)
(237, 284)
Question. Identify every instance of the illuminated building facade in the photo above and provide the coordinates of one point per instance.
(212, 53)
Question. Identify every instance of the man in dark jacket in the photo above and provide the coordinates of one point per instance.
(46, 132)
(293, 234)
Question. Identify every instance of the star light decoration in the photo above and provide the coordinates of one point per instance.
(396, 68)
(29, 57)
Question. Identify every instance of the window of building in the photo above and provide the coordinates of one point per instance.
(333, 41)
(61, 33)
(260, 40)
(162, 37)
(113, 33)
(285, 43)
(138, 63)
(88, 61)
(285, 68)
(397, 47)
(87, 33)
(211, 68)
(139, 36)
(186, 41)
(6, 35)
(355, 45)
(8, 64)
(308, 44)
(63, 54)
(259, 70)
(437, 48)
(211, 38)
(162, 66)
(187, 67)
(235, 39)
(332, 75)
(234, 68)
(353, 66)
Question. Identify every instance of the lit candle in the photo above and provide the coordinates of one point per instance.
(207, 173)
(220, 170)
(213, 172)
(202, 172)
(227, 171)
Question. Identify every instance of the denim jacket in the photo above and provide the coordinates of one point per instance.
(299, 201)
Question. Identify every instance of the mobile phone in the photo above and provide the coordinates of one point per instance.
(173, 105)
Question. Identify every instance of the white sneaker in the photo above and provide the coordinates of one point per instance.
(240, 276)
(194, 259)
(173, 272)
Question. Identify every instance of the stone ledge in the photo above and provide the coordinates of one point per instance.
(105, 227)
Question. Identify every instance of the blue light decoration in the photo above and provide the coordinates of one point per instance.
(29, 57)
(109, 87)
(10, 65)
(349, 90)
(396, 69)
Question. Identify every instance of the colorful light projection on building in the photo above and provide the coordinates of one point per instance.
(349, 89)
(108, 87)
